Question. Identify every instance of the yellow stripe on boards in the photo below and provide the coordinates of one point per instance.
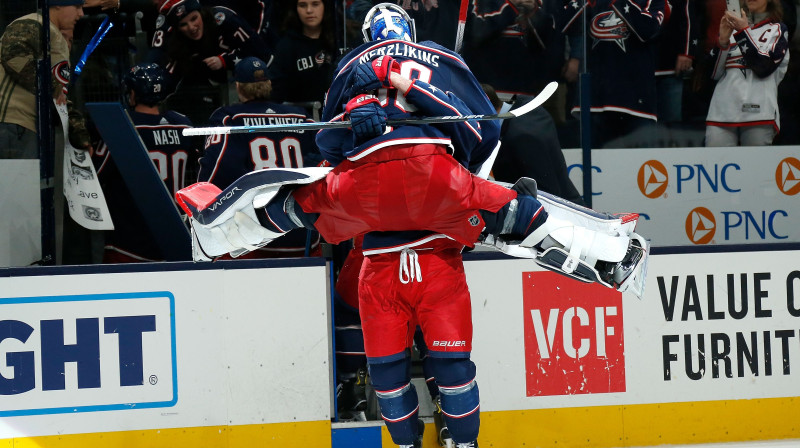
(429, 437)
(275, 435)
(643, 425)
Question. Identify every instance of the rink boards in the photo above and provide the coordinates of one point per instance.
(238, 354)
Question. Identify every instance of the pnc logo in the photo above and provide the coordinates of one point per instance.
(700, 225)
(787, 176)
(652, 179)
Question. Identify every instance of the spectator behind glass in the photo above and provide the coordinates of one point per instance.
(259, 15)
(228, 157)
(19, 52)
(203, 43)
(676, 47)
(621, 60)
(303, 65)
(518, 34)
(750, 61)
(530, 148)
(131, 241)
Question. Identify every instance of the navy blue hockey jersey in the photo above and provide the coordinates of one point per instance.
(170, 152)
(235, 39)
(441, 73)
(228, 157)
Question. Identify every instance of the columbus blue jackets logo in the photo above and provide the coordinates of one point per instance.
(322, 58)
(219, 18)
(62, 72)
(608, 27)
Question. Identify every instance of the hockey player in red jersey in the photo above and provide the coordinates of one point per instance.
(409, 191)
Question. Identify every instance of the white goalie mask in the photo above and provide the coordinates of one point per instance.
(388, 21)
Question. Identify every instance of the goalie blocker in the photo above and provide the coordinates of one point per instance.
(575, 241)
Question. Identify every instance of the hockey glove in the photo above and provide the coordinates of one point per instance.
(372, 75)
(367, 118)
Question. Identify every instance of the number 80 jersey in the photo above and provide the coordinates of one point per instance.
(228, 157)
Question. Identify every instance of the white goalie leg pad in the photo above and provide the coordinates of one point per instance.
(237, 235)
(585, 234)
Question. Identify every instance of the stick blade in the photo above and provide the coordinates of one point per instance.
(540, 99)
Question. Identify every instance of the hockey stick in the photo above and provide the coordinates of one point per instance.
(462, 22)
(101, 32)
(522, 110)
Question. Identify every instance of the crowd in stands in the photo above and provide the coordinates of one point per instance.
(651, 72)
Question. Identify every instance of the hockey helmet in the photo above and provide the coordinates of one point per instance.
(149, 82)
(388, 21)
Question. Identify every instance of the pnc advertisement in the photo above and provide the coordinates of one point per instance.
(699, 196)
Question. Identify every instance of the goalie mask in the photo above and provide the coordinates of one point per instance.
(149, 82)
(388, 21)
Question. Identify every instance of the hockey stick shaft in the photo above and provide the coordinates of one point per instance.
(462, 23)
(314, 126)
(101, 32)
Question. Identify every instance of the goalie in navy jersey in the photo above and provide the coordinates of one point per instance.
(170, 151)
(409, 190)
(228, 157)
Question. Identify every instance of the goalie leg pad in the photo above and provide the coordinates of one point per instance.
(559, 260)
(227, 222)
(584, 233)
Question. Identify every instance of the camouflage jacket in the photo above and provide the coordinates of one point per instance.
(20, 49)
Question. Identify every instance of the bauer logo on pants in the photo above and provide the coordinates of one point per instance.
(87, 353)
(573, 336)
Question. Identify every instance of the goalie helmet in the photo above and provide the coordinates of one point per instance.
(388, 21)
(149, 82)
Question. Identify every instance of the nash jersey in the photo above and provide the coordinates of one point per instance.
(621, 54)
(748, 74)
(440, 73)
(170, 152)
(228, 157)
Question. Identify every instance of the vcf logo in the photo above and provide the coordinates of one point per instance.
(700, 225)
(787, 176)
(652, 179)
(574, 342)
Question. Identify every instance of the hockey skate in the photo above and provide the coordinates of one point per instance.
(473, 444)
(443, 434)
